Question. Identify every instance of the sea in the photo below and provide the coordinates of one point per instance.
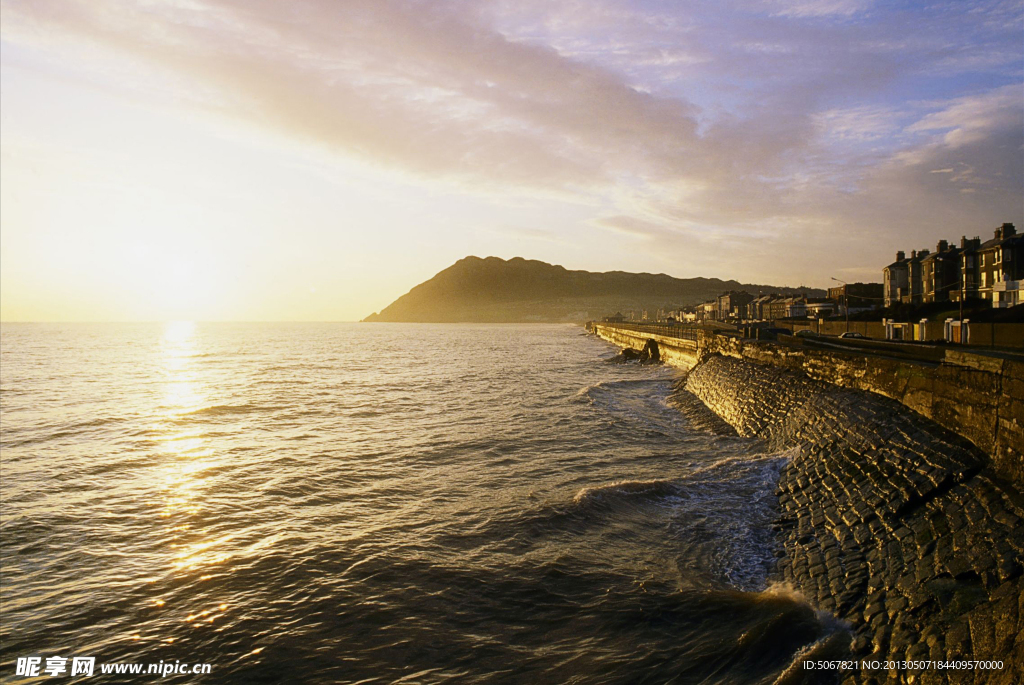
(380, 503)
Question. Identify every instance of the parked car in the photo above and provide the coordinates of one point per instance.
(806, 333)
(851, 334)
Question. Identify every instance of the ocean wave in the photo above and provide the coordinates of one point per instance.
(46, 433)
(621, 384)
(832, 643)
(761, 468)
(627, 489)
(723, 514)
(224, 410)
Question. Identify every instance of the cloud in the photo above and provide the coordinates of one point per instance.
(413, 86)
(753, 121)
(818, 8)
(632, 226)
(858, 124)
(972, 118)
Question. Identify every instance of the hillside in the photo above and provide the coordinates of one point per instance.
(494, 290)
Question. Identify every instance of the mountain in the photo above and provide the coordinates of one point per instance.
(494, 290)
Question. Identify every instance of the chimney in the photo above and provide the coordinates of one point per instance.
(913, 254)
(900, 256)
(941, 247)
(1008, 230)
(963, 242)
(999, 233)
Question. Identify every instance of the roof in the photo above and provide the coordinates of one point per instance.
(951, 252)
(996, 242)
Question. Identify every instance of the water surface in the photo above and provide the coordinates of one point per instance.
(379, 502)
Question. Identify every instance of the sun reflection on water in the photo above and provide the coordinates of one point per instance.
(185, 451)
(185, 455)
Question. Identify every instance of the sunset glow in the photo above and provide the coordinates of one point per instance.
(220, 160)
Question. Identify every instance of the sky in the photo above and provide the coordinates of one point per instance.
(258, 160)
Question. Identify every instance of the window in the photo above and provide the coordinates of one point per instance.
(984, 279)
(1009, 255)
(983, 259)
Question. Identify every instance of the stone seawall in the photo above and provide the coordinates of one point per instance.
(977, 396)
(889, 521)
(673, 350)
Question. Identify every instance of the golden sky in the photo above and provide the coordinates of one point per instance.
(260, 160)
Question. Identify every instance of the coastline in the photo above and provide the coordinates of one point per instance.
(888, 521)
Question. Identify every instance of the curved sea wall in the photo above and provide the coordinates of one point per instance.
(888, 520)
(672, 350)
(976, 395)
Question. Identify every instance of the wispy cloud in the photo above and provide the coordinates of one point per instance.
(818, 8)
(751, 121)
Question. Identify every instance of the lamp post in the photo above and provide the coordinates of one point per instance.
(963, 293)
(846, 302)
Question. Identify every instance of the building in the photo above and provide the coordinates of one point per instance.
(787, 308)
(615, 318)
(993, 270)
(915, 287)
(733, 304)
(940, 273)
(709, 310)
(796, 308)
(819, 309)
(857, 297)
(757, 308)
(894, 280)
(968, 269)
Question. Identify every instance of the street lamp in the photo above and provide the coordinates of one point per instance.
(846, 301)
(961, 273)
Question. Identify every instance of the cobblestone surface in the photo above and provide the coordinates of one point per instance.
(888, 521)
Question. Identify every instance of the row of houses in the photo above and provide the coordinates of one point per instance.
(844, 299)
(990, 270)
(741, 306)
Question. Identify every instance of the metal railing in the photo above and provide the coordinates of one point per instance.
(669, 330)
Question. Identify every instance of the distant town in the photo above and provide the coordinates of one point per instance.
(928, 296)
